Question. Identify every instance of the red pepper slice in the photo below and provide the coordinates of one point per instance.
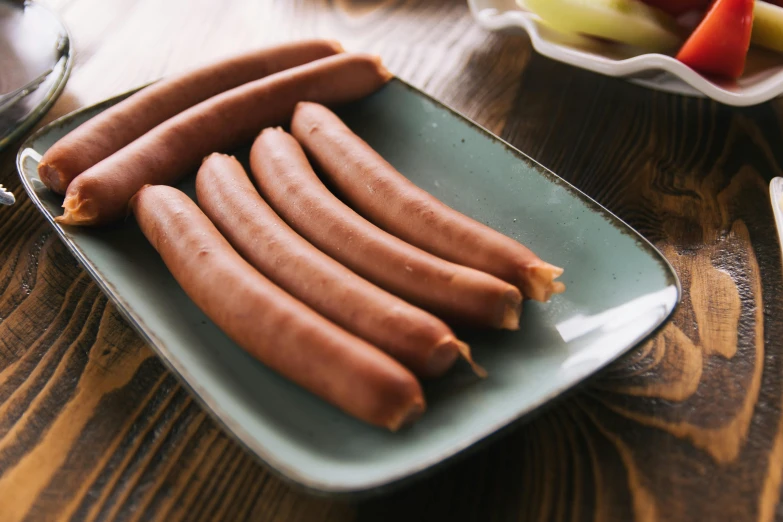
(678, 7)
(720, 43)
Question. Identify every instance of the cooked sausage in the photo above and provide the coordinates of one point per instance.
(277, 329)
(290, 186)
(165, 154)
(380, 193)
(119, 125)
(417, 339)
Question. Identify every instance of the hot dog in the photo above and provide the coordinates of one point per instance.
(414, 337)
(387, 198)
(290, 186)
(274, 327)
(172, 149)
(119, 125)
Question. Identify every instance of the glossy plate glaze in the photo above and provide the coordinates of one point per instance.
(762, 81)
(619, 290)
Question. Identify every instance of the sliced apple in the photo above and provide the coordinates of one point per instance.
(767, 26)
(627, 21)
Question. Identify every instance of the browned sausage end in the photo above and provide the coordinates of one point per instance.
(274, 327)
(376, 190)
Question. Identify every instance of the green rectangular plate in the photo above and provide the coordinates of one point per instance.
(620, 289)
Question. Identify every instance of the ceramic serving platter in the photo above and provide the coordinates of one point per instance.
(620, 289)
(762, 80)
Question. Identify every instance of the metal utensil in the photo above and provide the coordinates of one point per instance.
(6, 100)
(776, 194)
(35, 58)
(29, 45)
(6, 196)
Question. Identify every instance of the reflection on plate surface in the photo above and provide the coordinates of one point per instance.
(619, 290)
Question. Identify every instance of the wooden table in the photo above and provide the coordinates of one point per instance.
(688, 426)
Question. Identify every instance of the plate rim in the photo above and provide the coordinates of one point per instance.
(391, 481)
(764, 91)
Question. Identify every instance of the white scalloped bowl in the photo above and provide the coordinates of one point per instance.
(762, 81)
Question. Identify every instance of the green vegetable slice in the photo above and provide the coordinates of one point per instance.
(627, 21)
(767, 26)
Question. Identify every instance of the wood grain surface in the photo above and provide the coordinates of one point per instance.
(689, 426)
